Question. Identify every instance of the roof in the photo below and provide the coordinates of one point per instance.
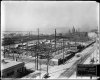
(54, 59)
(60, 56)
(9, 63)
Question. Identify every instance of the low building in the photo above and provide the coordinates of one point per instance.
(12, 69)
(53, 62)
(92, 35)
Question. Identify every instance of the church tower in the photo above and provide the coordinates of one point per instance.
(73, 30)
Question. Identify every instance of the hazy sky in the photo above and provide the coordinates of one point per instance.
(48, 15)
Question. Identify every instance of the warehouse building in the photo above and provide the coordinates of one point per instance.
(12, 69)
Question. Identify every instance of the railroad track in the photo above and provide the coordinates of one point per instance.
(71, 70)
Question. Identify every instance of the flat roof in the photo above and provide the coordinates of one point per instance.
(54, 59)
(9, 63)
(60, 56)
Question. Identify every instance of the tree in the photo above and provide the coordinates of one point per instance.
(8, 41)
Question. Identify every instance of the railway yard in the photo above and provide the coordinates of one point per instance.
(50, 40)
(59, 63)
(53, 58)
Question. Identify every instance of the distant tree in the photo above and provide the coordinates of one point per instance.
(12, 34)
(8, 41)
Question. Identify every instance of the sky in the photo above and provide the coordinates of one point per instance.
(48, 15)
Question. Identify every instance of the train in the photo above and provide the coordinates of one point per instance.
(72, 54)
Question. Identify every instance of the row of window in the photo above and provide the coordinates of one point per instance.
(12, 72)
(20, 69)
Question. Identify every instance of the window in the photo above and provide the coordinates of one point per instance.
(10, 73)
(20, 69)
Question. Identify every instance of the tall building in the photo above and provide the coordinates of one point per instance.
(69, 31)
(73, 30)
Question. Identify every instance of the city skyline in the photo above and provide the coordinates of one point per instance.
(48, 15)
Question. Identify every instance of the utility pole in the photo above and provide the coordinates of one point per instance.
(13, 51)
(63, 50)
(35, 55)
(61, 47)
(47, 62)
(4, 51)
(29, 42)
(40, 69)
(27, 45)
(55, 41)
(38, 49)
(50, 47)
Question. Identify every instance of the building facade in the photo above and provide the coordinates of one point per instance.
(12, 69)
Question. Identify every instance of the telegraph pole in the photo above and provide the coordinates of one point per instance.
(38, 49)
(40, 69)
(27, 43)
(35, 56)
(47, 62)
(63, 50)
(61, 47)
(48, 57)
(4, 51)
(55, 40)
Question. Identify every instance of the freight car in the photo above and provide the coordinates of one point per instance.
(90, 44)
(72, 53)
(69, 56)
